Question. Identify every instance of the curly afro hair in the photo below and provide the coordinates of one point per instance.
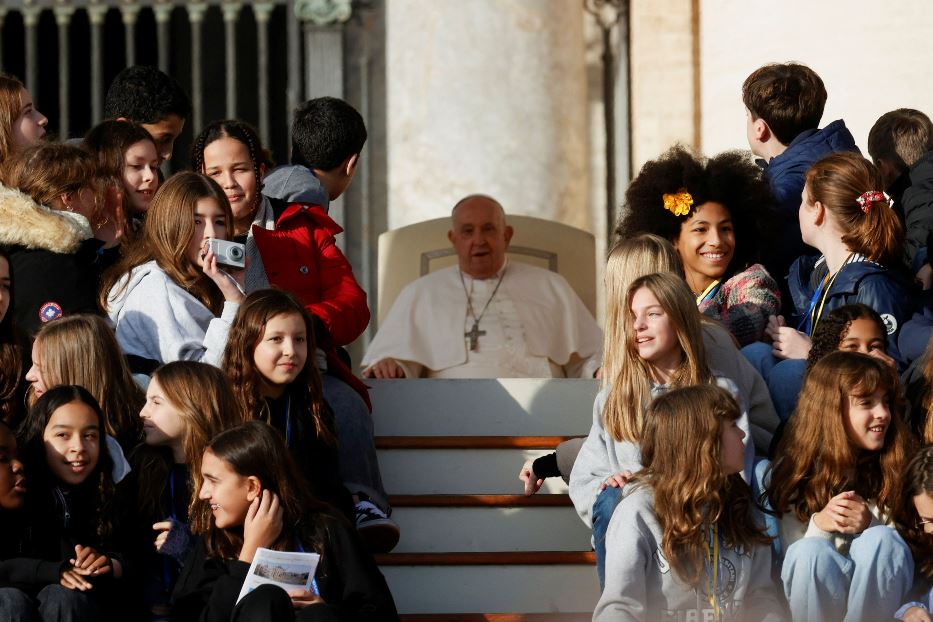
(833, 328)
(730, 178)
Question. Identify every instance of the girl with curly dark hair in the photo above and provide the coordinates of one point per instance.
(710, 210)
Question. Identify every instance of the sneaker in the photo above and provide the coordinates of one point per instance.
(378, 531)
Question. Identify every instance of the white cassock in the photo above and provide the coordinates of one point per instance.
(536, 327)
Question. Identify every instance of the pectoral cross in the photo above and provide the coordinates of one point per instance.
(474, 335)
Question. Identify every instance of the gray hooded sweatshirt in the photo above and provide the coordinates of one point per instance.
(156, 319)
(641, 585)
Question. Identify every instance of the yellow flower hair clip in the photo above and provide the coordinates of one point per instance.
(678, 203)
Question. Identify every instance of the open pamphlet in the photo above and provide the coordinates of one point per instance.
(290, 571)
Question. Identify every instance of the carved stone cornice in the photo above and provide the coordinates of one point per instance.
(324, 12)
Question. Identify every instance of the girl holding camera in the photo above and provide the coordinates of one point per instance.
(168, 298)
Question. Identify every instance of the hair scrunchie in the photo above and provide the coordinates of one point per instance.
(872, 196)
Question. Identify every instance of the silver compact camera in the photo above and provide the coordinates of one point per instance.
(231, 254)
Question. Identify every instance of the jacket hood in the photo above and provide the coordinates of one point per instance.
(810, 146)
(295, 184)
(117, 296)
(23, 222)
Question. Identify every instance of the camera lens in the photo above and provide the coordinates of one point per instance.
(236, 252)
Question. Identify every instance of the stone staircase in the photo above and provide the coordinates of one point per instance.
(472, 546)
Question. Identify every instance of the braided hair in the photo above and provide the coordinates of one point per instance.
(237, 130)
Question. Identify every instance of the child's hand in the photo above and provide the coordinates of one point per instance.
(617, 480)
(774, 323)
(73, 581)
(304, 598)
(262, 526)
(917, 614)
(788, 343)
(227, 285)
(882, 356)
(89, 563)
(532, 482)
(845, 513)
(163, 528)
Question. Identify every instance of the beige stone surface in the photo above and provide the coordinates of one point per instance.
(872, 56)
(662, 77)
(487, 96)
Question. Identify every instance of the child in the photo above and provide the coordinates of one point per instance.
(187, 404)
(628, 260)
(853, 328)
(82, 350)
(168, 298)
(835, 484)
(21, 125)
(269, 360)
(850, 328)
(71, 502)
(846, 217)
(153, 99)
(328, 135)
(915, 522)
(901, 146)
(277, 236)
(251, 495)
(783, 107)
(685, 542)
(58, 255)
(663, 349)
(712, 212)
(126, 152)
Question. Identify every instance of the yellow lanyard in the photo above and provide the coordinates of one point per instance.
(706, 291)
(712, 559)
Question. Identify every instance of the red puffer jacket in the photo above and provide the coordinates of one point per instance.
(301, 256)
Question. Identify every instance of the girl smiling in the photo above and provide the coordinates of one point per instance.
(711, 211)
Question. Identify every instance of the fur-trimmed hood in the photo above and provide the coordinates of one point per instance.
(23, 222)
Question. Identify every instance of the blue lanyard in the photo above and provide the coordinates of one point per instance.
(812, 318)
(288, 423)
(166, 564)
(301, 549)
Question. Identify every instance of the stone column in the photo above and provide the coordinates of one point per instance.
(487, 96)
(63, 12)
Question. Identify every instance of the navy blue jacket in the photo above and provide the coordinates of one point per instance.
(867, 282)
(785, 174)
(916, 334)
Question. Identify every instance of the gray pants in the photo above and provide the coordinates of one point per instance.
(359, 467)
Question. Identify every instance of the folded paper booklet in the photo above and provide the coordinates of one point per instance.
(290, 571)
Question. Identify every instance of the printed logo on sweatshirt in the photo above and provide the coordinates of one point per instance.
(50, 311)
(890, 324)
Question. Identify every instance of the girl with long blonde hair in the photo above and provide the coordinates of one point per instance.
(688, 538)
(835, 485)
(82, 350)
(663, 349)
(168, 298)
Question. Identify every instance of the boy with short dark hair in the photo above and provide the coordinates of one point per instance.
(328, 135)
(901, 146)
(783, 106)
(152, 99)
